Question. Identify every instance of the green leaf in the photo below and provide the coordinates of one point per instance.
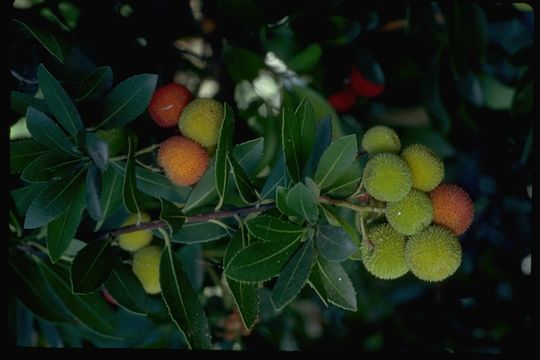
(20, 102)
(61, 231)
(246, 298)
(184, 307)
(98, 150)
(523, 97)
(201, 232)
(306, 59)
(111, 195)
(336, 283)
(91, 266)
(293, 277)
(316, 283)
(303, 202)
(93, 192)
(224, 146)
(322, 140)
(22, 153)
(33, 289)
(261, 261)
(47, 133)
(191, 257)
(154, 184)
(239, 241)
(249, 155)
(277, 177)
(59, 102)
(49, 166)
(281, 202)
(336, 160)
(127, 290)
(242, 64)
(306, 119)
(95, 84)
(497, 96)
(53, 201)
(173, 216)
(347, 184)
(127, 100)
(24, 196)
(291, 138)
(129, 188)
(91, 310)
(50, 40)
(334, 243)
(269, 228)
(243, 185)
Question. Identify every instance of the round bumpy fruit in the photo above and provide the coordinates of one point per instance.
(133, 241)
(426, 167)
(452, 207)
(386, 258)
(201, 121)
(381, 139)
(344, 100)
(167, 104)
(146, 268)
(183, 159)
(411, 214)
(387, 177)
(433, 254)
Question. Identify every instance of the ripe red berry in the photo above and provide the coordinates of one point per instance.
(452, 207)
(363, 86)
(168, 103)
(344, 100)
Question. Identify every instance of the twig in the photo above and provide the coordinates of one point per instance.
(140, 152)
(348, 205)
(23, 79)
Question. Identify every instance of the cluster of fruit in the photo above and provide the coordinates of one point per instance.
(424, 217)
(185, 158)
(359, 85)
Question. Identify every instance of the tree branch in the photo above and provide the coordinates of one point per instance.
(348, 205)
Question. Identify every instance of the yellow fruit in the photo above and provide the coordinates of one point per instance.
(387, 177)
(183, 159)
(427, 168)
(146, 268)
(381, 139)
(201, 121)
(386, 258)
(133, 241)
(411, 214)
(433, 254)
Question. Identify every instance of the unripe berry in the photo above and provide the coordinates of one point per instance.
(411, 214)
(387, 177)
(363, 86)
(183, 159)
(452, 207)
(344, 100)
(386, 258)
(427, 168)
(146, 268)
(201, 121)
(433, 254)
(133, 241)
(167, 104)
(381, 139)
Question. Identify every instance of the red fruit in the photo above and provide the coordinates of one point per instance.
(452, 207)
(168, 103)
(364, 87)
(344, 100)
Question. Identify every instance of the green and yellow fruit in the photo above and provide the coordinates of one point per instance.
(433, 254)
(184, 160)
(427, 168)
(133, 241)
(384, 257)
(146, 268)
(387, 177)
(452, 207)
(381, 139)
(201, 121)
(411, 214)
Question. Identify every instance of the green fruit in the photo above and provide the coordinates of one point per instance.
(411, 214)
(433, 254)
(386, 258)
(387, 177)
(427, 168)
(135, 240)
(381, 139)
(146, 268)
(201, 121)
(116, 139)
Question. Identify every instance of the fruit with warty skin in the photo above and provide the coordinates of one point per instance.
(426, 167)
(433, 254)
(146, 268)
(135, 240)
(411, 214)
(381, 138)
(184, 160)
(168, 103)
(384, 255)
(201, 121)
(452, 207)
(387, 177)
